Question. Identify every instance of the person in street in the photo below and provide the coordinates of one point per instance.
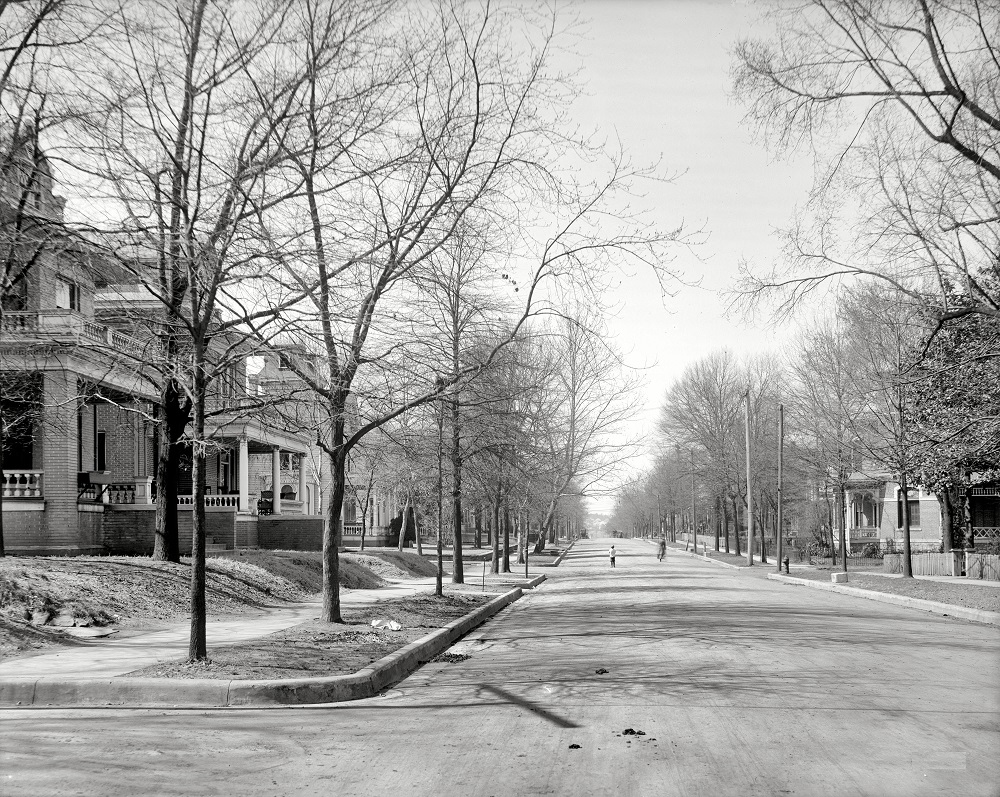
(661, 549)
(611, 553)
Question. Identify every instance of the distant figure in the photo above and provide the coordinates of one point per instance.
(661, 549)
(611, 553)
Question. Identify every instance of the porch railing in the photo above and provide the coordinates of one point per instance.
(58, 322)
(232, 501)
(864, 533)
(120, 493)
(22, 483)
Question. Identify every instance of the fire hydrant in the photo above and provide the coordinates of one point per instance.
(785, 563)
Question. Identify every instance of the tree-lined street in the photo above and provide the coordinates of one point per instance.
(740, 685)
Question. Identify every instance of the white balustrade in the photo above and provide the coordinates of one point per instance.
(22, 483)
(18, 322)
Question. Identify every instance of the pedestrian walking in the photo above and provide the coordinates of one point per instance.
(661, 549)
(612, 554)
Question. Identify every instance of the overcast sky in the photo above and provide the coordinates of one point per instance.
(657, 76)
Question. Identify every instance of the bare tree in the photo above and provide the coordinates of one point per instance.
(900, 104)
(193, 147)
(588, 393)
(460, 127)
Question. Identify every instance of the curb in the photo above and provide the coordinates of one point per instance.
(558, 559)
(368, 682)
(701, 558)
(975, 615)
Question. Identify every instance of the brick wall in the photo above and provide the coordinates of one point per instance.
(59, 433)
(290, 533)
(21, 529)
(246, 533)
(129, 530)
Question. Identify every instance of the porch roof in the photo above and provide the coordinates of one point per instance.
(262, 439)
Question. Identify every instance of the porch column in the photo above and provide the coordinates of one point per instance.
(243, 469)
(302, 483)
(276, 480)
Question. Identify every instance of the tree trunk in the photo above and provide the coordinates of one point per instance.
(478, 520)
(416, 530)
(725, 521)
(403, 527)
(197, 644)
(763, 537)
(505, 563)
(334, 527)
(715, 522)
(3, 552)
(842, 525)
(175, 416)
(547, 524)
(457, 567)
(904, 491)
(967, 539)
(495, 538)
(947, 522)
(736, 523)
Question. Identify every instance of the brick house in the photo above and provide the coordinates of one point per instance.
(874, 508)
(79, 407)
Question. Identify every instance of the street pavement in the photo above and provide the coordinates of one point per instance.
(739, 685)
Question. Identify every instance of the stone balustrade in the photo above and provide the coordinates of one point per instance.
(61, 323)
(227, 501)
(22, 484)
(120, 493)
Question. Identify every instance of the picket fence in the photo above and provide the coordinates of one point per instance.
(977, 565)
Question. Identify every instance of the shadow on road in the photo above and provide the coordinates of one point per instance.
(534, 708)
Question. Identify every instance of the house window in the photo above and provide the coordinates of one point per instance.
(283, 363)
(67, 294)
(914, 512)
(865, 511)
(101, 454)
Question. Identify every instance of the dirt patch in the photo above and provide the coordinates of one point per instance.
(412, 565)
(305, 568)
(971, 596)
(316, 649)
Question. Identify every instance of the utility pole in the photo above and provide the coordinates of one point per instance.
(440, 490)
(694, 506)
(781, 446)
(749, 486)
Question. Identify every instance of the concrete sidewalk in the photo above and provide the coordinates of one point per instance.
(110, 656)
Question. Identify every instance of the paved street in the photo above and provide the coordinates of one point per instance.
(741, 686)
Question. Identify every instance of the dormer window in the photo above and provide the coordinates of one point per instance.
(67, 294)
(283, 363)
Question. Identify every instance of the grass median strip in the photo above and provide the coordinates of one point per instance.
(317, 649)
(969, 596)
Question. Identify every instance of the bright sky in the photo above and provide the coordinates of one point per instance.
(657, 77)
